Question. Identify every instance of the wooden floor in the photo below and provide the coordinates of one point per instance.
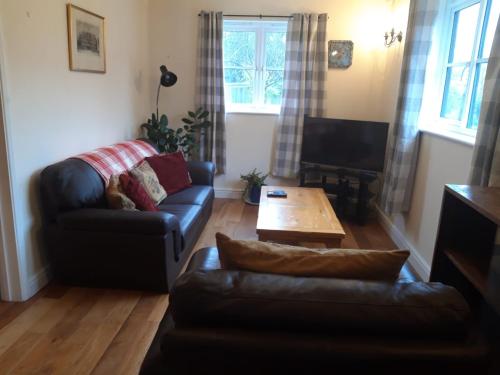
(64, 330)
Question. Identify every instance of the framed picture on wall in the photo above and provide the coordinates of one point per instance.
(340, 54)
(86, 47)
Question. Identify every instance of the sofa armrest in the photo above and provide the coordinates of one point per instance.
(119, 221)
(205, 259)
(202, 172)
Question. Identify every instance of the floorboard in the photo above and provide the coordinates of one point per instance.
(69, 330)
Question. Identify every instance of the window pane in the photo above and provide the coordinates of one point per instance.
(239, 49)
(239, 85)
(273, 89)
(464, 27)
(275, 50)
(254, 59)
(455, 92)
(477, 96)
(491, 24)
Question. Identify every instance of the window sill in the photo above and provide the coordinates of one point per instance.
(252, 112)
(464, 139)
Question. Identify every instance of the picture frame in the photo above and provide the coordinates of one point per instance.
(340, 54)
(86, 40)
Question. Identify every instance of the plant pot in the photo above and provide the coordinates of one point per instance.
(254, 195)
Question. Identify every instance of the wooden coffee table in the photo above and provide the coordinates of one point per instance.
(305, 217)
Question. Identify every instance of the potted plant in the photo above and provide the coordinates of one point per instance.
(255, 180)
(171, 140)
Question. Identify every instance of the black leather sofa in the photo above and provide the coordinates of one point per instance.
(91, 245)
(223, 321)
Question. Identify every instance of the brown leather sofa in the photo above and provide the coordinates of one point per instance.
(223, 321)
(91, 245)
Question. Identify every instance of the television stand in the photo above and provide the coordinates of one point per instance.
(350, 186)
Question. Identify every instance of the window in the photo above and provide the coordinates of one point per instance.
(470, 36)
(254, 63)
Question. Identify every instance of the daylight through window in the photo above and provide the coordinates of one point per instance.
(472, 27)
(254, 63)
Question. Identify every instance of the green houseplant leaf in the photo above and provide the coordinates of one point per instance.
(203, 115)
(253, 178)
(182, 138)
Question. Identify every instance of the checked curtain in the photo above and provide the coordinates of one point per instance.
(404, 140)
(210, 88)
(304, 89)
(485, 169)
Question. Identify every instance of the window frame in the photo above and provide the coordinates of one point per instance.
(260, 27)
(460, 127)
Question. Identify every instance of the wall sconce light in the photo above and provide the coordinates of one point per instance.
(391, 37)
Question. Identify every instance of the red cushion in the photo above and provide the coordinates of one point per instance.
(171, 170)
(134, 190)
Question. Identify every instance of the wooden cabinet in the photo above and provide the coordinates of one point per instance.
(467, 253)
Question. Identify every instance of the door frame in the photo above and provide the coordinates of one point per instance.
(11, 285)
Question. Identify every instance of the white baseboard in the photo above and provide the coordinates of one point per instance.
(37, 282)
(228, 193)
(416, 260)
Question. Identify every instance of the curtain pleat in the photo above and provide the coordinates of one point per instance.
(485, 168)
(304, 90)
(404, 139)
(210, 88)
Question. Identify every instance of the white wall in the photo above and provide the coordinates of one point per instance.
(53, 113)
(365, 91)
(441, 161)
(9, 270)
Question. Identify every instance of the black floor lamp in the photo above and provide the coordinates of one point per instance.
(167, 79)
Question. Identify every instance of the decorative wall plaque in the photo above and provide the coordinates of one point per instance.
(340, 54)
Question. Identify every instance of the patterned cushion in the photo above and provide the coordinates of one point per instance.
(149, 181)
(116, 197)
(137, 193)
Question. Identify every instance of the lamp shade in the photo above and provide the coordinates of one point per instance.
(167, 78)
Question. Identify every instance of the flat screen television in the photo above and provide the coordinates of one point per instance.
(344, 143)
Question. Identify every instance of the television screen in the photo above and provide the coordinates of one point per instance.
(344, 143)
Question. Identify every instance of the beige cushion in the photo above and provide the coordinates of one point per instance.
(149, 180)
(116, 197)
(268, 257)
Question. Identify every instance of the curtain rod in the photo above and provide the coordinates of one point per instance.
(252, 16)
(255, 16)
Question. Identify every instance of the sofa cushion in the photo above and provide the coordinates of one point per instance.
(267, 257)
(172, 171)
(196, 194)
(135, 191)
(208, 259)
(149, 181)
(116, 197)
(186, 215)
(257, 300)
